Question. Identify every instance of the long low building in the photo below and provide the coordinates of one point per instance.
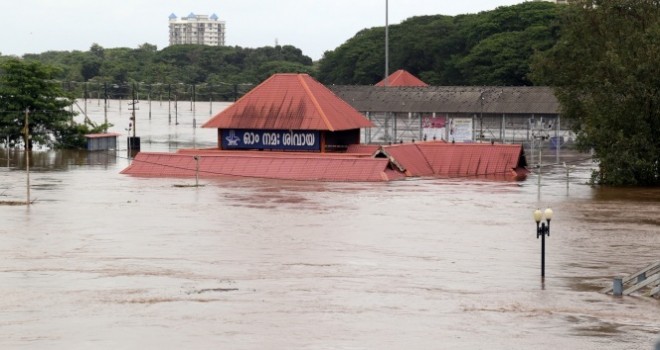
(456, 113)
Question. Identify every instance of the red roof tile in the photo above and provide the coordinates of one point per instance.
(436, 158)
(242, 164)
(401, 78)
(290, 102)
(409, 158)
(362, 148)
(473, 159)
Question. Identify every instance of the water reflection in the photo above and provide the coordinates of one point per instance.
(107, 261)
(60, 160)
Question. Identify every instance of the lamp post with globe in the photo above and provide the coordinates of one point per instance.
(542, 230)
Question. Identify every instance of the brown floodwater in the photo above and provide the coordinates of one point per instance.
(107, 261)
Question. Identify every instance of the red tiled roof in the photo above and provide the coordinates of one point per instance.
(290, 166)
(362, 148)
(434, 158)
(409, 158)
(473, 159)
(401, 78)
(290, 102)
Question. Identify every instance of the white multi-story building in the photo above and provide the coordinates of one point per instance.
(197, 29)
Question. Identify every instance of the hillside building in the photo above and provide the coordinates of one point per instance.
(197, 29)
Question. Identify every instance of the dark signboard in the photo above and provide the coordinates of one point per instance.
(271, 139)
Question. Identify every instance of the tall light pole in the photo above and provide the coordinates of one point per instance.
(27, 152)
(387, 43)
(542, 230)
(169, 104)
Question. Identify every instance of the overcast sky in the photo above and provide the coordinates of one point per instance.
(314, 26)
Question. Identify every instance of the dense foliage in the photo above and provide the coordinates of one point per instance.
(28, 88)
(607, 78)
(187, 64)
(489, 48)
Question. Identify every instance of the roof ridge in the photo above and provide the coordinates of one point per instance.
(399, 74)
(315, 102)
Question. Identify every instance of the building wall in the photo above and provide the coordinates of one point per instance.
(197, 29)
(502, 128)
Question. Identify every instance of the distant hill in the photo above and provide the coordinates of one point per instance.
(488, 48)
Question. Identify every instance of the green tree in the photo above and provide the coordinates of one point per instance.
(489, 48)
(28, 86)
(607, 78)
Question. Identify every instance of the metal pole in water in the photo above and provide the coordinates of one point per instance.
(192, 106)
(149, 96)
(196, 171)
(7, 151)
(540, 166)
(105, 106)
(210, 99)
(176, 109)
(617, 286)
(27, 152)
(543, 252)
(85, 97)
(133, 111)
(542, 230)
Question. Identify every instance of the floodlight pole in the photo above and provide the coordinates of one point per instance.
(27, 152)
(387, 43)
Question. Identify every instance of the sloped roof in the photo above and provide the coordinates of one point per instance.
(451, 99)
(401, 78)
(409, 158)
(473, 159)
(290, 102)
(362, 148)
(433, 158)
(291, 166)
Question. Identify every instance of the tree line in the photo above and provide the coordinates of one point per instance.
(186, 64)
(488, 48)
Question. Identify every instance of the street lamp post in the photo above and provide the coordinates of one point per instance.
(387, 43)
(542, 230)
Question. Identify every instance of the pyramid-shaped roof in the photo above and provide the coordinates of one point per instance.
(401, 78)
(289, 102)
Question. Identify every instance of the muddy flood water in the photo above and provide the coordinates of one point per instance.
(107, 261)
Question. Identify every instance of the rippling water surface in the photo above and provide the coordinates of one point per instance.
(106, 261)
